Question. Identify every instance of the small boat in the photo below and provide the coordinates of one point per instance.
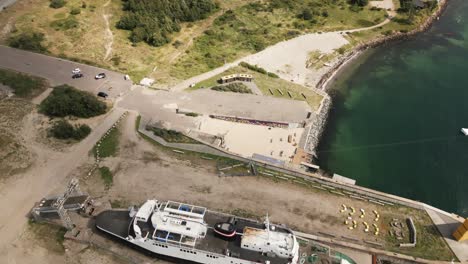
(226, 229)
(465, 131)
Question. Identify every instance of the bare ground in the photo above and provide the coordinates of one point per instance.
(143, 171)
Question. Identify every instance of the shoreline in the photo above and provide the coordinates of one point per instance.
(328, 76)
(318, 127)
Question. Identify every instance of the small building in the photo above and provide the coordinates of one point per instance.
(236, 77)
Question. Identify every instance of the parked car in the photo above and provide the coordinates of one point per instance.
(77, 70)
(102, 94)
(77, 75)
(100, 76)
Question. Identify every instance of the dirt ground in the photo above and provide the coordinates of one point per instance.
(143, 171)
(14, 153)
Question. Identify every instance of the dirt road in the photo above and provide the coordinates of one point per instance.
(18, 194)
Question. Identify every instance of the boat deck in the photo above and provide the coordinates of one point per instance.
(118, 223)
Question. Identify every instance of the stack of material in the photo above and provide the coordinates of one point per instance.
(461, 234)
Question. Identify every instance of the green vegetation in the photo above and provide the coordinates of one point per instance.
(154, 21)
(233, 87)
(57, 3)
(430, 243)
(191, 114)
(257, 69)
(68, 101)
(31, 41)
(171, 136)
(109, 144)
(23, 85)
(119, 204)
(50, 236)
(360, 2)
(76, 11)
(270, 87)
(254, 26)
(62, 129)
(65, 23)
(106, 176)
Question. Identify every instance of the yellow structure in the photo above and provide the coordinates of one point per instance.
(461, 233)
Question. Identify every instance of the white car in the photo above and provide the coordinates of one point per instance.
(100, 76)
(77, 70)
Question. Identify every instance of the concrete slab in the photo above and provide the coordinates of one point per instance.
(246, 139)
(446, 226)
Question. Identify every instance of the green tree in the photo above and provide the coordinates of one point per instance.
(68, 101)
(64, 130)
(153, 21)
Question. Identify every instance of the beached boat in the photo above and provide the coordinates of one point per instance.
(188, 232)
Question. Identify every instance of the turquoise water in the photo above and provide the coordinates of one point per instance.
(395, 124)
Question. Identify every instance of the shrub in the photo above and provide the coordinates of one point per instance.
(23, 85)
(273, 75)
(170, 135)
(305, 15)
(57, 3)
(257, 69)
(28, 41)
(64, 130)
(68, 101)
(75, 11)
(253, 67)
(233, 87)
(65, 24)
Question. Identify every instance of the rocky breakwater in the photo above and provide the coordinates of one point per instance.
(317, 126)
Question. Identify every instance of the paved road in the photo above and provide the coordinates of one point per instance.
(58, 71)
(5, 3)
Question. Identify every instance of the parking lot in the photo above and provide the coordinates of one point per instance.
(59, 71)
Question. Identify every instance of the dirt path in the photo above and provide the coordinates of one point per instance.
(108, 33)
(48, 175)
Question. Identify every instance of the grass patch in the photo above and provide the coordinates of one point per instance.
(232, 87)
(65, 23)
(257, 25)
(245, 213)
(318, 59)
(106, 176)
(119, 204)
(171, 136)
(66, 100)
(62, 129)
(109, 145)
(430, 243)
(22, 85)
(269, 86)
(50, 236)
